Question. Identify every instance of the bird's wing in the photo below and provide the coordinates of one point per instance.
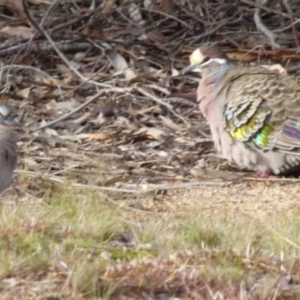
(262, 108)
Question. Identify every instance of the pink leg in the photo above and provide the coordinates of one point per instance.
(265, 175)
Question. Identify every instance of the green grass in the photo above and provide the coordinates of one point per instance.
(196, 231)
(76, 230)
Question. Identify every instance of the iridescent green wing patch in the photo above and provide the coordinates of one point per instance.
(265, 137)
(249, 125)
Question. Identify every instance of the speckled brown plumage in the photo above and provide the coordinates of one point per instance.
(253, 112)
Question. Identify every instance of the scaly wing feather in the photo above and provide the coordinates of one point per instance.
(263, 109)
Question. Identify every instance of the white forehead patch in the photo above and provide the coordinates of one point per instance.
(220, 61)
(196, 57)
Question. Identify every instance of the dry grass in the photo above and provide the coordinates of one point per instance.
(73, 243)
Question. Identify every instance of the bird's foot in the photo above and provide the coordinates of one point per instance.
(265, 175)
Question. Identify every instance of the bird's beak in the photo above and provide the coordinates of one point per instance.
(188, 69)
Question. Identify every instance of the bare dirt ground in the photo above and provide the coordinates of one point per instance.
(257, 199)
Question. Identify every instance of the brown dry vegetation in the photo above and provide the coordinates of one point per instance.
(124, 197)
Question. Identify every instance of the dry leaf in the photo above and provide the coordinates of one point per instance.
(30, 161)
(121, 65)
(153, 132)
(64, 106)
(79, 56)
(107, 6)
(129, 74)
(25, 92)
(169, 123)
(175, 72)
(19, 31)
(100, 119)
(241, 56)
(97, 136)
(135, 14)
(118, 61)
(76, 65)
(148, 4)
(50, 131)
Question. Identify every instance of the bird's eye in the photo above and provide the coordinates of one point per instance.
(206, 59)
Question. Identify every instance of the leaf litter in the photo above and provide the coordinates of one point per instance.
(98, 83)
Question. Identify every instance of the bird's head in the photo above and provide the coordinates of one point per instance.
(206, 59)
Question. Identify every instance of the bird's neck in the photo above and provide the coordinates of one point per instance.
(206, 93)
(209, 86)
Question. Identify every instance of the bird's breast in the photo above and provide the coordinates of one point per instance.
(205, 95)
